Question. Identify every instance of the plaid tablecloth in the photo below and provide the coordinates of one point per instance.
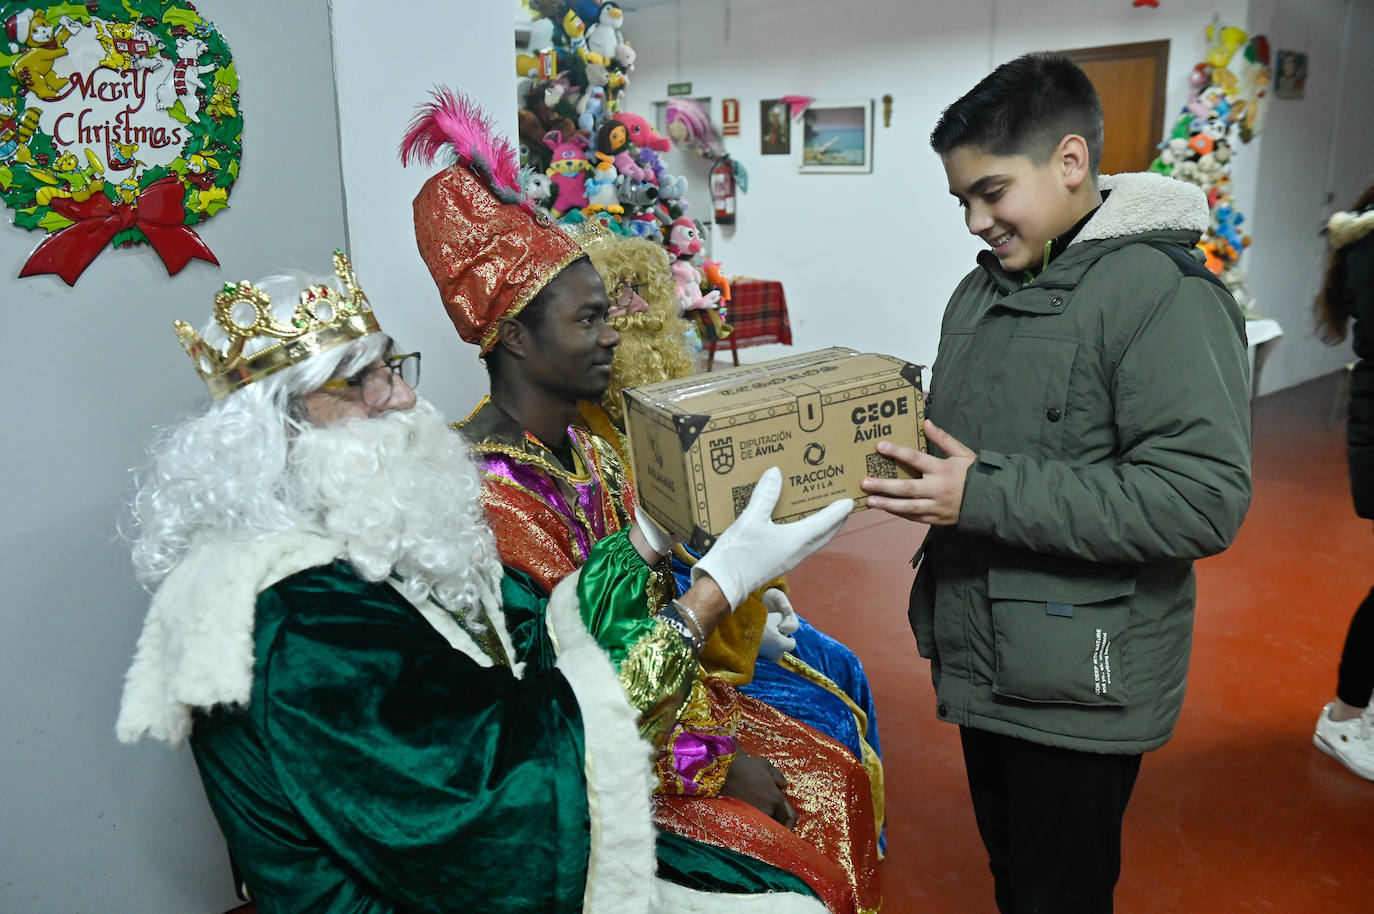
(758, 312)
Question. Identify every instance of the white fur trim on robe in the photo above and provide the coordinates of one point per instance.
(680, 900)
(196, 648)
(618, 766)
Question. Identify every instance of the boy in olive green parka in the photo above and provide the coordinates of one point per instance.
(1090, 425)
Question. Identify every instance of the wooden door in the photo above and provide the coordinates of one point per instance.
(1130, 79)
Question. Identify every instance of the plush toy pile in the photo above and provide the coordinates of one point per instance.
(587, 157)
(1230, 92)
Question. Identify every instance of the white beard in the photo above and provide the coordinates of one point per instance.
(401, 493)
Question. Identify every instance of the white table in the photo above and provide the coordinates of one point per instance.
(1261, 334)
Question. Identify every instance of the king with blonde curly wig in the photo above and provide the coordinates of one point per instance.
(653, 343)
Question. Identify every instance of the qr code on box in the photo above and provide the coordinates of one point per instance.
(740, 495)
(880, 467)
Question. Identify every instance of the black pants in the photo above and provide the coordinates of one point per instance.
(1051, 821)
(1355, 680)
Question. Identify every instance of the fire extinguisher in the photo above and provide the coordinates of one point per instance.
(723, 190)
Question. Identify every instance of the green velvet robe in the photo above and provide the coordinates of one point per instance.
(377, 768)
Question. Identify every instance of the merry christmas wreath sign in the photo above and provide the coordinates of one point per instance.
(119, 125)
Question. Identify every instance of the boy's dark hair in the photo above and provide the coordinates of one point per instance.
(1025, 107)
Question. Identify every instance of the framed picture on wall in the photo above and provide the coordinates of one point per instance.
(775, 127)
(1290, 69)
(837, 137)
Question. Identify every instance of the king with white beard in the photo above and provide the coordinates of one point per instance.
(381, 722)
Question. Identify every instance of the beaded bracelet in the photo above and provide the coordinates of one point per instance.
(671, 618)
(686, 612)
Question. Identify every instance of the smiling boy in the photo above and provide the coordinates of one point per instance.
(1090, 425)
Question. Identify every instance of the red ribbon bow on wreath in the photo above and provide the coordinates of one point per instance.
(159, 213)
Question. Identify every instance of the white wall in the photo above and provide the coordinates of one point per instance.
(869, 260)
(1317, 155)
(90, 825)
(1351, 157)
(468, 46)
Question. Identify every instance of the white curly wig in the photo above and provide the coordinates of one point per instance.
(399, 491)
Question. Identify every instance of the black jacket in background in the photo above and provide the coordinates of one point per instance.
(1359, 283)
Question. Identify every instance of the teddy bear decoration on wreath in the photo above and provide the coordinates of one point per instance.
(119, 125)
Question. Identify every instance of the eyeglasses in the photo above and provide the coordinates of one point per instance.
(376, 383)
(627, 299)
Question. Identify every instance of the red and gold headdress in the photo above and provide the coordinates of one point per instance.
(488, 248)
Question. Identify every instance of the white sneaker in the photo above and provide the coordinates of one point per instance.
(1350, 742)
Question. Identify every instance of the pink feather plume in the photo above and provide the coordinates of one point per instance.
(455, 121)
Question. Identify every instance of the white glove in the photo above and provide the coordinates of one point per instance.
(753, 550)
(654, 535)
(782, 623)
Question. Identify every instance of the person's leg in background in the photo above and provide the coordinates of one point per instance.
(1355, 677)
(1344, 730)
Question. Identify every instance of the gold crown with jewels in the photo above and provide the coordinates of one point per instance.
(323, 320)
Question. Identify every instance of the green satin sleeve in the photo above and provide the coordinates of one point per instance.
(616, 593)
(427, 781)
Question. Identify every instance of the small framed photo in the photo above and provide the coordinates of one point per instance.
(1290, 72)
(837, 137)
(775, 127)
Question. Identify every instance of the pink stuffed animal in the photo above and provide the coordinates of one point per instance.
(642, 134)
(683, 239)
(626, 165)
(683, 242)
(567, 170)
(689, 297)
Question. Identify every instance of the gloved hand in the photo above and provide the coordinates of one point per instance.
(781, 624)
(654, 535)
(753, 550)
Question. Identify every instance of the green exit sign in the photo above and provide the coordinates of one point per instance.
(679, 89)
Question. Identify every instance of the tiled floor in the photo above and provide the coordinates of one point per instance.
(1238, 812)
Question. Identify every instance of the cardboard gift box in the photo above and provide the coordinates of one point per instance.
(699, 444)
